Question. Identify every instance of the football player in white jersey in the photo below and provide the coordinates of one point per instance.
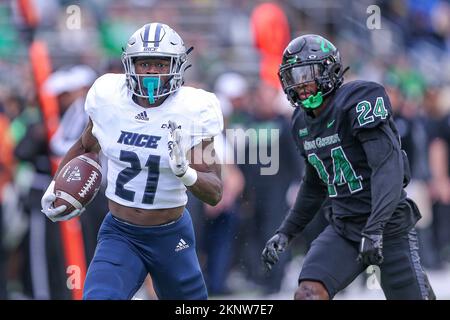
(147, 124)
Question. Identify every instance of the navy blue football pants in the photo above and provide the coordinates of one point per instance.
(125, 253)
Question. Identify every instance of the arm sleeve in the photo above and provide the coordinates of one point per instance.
(309, 199)
(386, 162)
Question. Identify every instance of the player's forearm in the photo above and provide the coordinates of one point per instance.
(86, 143)
(74, 151)
(207, 188)
(310, 198)
(386, 162)
(386, 191)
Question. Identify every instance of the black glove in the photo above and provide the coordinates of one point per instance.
(371, 249)
(276, 244)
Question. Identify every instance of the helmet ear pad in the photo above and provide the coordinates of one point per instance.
(331, 79)
(335, 72)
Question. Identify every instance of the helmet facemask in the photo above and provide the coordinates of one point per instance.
(325, 74)
(301, 76)
(155, 86)
(158, 41)
(310, 59)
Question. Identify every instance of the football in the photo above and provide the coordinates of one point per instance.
(78, 182)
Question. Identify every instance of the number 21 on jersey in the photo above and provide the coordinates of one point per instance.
(129, 173)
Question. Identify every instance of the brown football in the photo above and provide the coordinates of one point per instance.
(78, 182)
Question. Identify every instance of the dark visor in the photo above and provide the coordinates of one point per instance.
(301, 74)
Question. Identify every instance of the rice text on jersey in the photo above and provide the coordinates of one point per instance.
(138, 139)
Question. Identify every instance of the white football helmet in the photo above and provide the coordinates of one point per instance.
(160, 41)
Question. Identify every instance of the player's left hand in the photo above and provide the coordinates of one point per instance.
(73, 214)
(371, 249)
(275, 245)
(177, 155)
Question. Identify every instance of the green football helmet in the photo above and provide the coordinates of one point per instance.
(310, 58)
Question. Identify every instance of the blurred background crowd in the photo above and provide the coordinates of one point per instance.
(402, 44)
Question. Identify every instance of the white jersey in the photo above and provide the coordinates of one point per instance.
(134, 139)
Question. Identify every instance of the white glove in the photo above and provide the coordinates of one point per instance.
(177, 156)
(53, 213)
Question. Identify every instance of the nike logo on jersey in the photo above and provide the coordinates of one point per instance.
(330, 123)
(138, 140)
(142, 116)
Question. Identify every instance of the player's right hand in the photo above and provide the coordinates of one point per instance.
(278, 243)
(177, 155)
(371, 249)
(47, 204)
